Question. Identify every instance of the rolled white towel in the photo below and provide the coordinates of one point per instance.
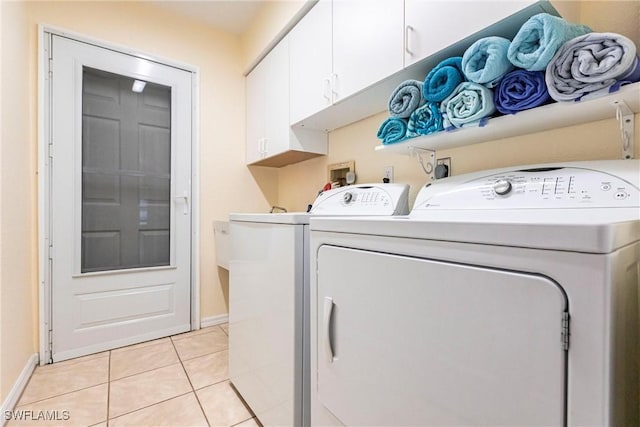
(592, 65)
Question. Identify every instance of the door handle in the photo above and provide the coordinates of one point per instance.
(407, 30)
(328, 311)
(185, 199)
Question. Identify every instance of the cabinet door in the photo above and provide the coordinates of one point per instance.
(276, 96)
(255, 110)
(432, 25)
(367, 43)
(407, 341)
(310, 62)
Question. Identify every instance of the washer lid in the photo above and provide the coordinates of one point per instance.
(292, 218)
(603, 232)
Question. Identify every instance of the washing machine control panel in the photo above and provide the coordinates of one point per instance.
(552, 187)
(364, 199)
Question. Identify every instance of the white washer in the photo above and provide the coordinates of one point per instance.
(506, 297)
(269, 299)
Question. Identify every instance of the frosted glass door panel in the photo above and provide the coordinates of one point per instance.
(126, 173)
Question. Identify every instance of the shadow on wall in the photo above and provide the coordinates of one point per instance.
(267, 180)
(223, 276)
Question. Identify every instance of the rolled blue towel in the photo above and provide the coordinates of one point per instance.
(469, 105)
(405, 99)
(486, 61)
(539, 39)
(393, 130)
(443, 79)
(592, 65)
(520, 90)
(425, 120)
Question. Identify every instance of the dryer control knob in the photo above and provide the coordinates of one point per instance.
(502, 187)
(347, 197)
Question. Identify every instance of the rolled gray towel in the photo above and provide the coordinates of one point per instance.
(405, 99)
(592, 65)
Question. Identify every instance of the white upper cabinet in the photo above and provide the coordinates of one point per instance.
(270, 139)
(276, 98)
(310, 62)
(255, 113)
(367, 43)
(431, 25)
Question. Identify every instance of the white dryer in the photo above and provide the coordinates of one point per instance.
(506, 298)
(269, 299)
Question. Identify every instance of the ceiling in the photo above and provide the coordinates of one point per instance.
(233, 16)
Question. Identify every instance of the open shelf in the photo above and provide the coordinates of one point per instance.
(546, 117)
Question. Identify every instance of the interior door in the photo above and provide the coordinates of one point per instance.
(406, 341)
(120, 199)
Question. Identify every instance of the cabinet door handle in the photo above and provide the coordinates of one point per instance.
(407, 30)
(264, 147)
(326, 89)
(328, 310)
(334, 85)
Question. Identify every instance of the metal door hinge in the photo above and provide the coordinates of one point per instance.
(565, 331)
(50, 346)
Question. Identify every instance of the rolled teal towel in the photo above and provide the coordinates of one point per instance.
(425, 120)
(469, 105)
(405, 99)
(539, 39)
(443, 79)
(486, 61)
(393, 130)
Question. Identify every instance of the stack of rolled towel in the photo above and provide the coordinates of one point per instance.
(548, 59)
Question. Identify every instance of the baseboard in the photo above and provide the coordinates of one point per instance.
(214, 320)
(12, 398)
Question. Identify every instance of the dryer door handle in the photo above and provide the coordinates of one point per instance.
(328, 311)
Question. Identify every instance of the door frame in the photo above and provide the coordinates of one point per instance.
(45, 108)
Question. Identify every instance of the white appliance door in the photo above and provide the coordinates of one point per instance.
(407, 341)
(120, 191)
(265, 319)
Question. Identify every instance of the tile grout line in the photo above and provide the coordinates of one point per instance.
(63, 394)
(178, 337)
(244, 402)
(147, 371)
(209, 385)
(193, 390)
(108, 388)
(153, 404)
(205, 354)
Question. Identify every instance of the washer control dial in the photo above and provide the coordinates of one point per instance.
(502, 187)
(348, 197)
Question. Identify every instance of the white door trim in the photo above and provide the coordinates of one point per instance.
(45, 32)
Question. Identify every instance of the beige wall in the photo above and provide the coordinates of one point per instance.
(18, 268)
(226, 184)
(272, 18)
(299, 183)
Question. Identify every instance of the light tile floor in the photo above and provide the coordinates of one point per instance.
(177, 381)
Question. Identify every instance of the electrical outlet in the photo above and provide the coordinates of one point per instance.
(443, 167)
(388, 173)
